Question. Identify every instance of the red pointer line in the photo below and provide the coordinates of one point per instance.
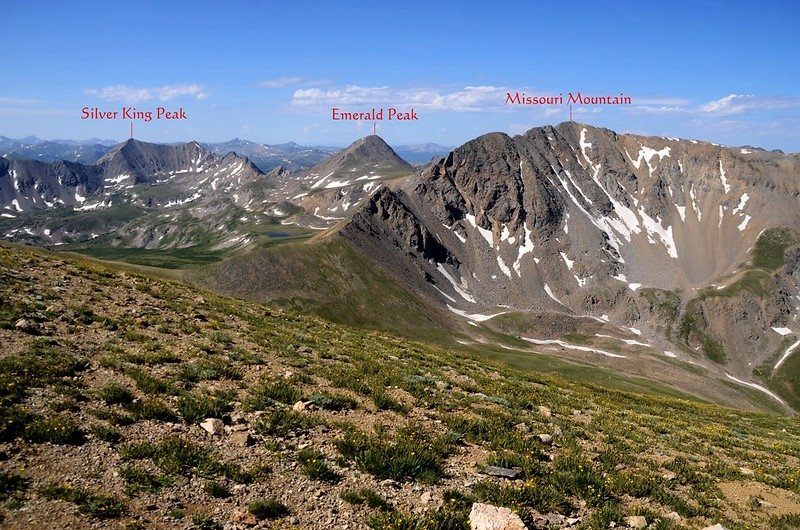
(131, 130)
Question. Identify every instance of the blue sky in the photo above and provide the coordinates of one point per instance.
(725, 71)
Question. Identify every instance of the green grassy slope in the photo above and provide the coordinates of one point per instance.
(331, 279)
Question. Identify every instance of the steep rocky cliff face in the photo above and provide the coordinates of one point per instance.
(662, 235)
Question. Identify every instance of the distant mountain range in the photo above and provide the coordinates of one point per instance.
(168, 196)
(291, 156)
(421, 153)
(33, 148)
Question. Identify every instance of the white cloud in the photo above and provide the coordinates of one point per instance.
(350, 94)
(733, 104)
(661, 101)
(730, 105)
(17, 101)
(663, 109)
(469, 99)
(588, 110)
(34, 111)
(280, 82)
(489, 98)
(135, 95)
(472, 98)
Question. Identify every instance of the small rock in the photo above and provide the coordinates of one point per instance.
(503, 472)
(673, 516)
(576, 412)
(389, 483)
(572, 521)
(300, 406)
(545, 438)
(746, 471)
(425, 498)
(761, 503)
(55, 308)
(26, 326)
(521, 427)
(488, 517)
(213, 426)
(245, 518)
(240, 438)
(557, 431)
(554, 518)
(544, 411)
(636, 521)
(669, 475)
(539, 520)
(715, 527)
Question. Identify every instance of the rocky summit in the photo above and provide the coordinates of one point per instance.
(329, 191)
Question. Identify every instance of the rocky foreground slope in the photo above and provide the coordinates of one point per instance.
(132, 402)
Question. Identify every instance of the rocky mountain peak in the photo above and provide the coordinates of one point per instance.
(576, 219)
(370, 150)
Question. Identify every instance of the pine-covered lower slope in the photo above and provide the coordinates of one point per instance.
(107, 374)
